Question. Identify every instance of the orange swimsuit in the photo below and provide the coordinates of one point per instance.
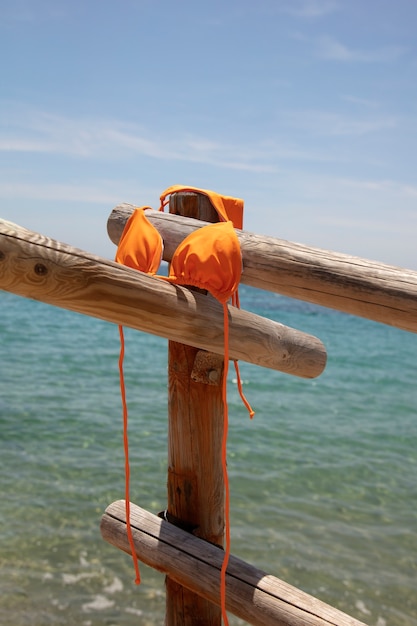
(209, 258)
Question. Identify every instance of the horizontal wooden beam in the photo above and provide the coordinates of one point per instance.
(251, 594)
(40, 268)
(369, 289)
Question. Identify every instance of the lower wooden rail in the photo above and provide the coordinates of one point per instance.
(254, 596)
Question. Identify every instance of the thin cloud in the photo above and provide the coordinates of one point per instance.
(383, 187)
(92, 194)
(333, 50)
(326, 123)
(36, 132)
(312, 8)
(364, 102)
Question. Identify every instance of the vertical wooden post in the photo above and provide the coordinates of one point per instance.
(195, 479)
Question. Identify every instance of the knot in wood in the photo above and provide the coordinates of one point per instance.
(40, 269)
(2, 255)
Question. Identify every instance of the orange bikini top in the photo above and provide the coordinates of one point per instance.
(227, 208)
(208, 258)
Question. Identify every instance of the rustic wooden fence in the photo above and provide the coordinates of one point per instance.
(37, 267)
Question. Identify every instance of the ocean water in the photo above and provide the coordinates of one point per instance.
(323, 479)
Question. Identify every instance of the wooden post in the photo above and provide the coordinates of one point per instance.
(195, 480)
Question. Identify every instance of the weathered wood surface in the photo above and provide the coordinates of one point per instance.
(195, 430)
(256, 597)
(369, 289)
(40, 268)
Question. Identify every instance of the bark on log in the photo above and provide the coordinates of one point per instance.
(40, 268)
(254, 596)
(361, 287)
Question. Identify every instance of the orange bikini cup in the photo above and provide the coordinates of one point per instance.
(210, 259)
(140, 245)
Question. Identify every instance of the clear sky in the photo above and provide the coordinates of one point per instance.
(306, 109)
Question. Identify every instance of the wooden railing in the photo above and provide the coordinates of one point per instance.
(365, 288)
(251, 594)
(37, 267)
(40, 268)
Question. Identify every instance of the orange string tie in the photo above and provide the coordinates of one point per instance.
(126, 451)
(209, 258)
(140, 247)
(240, 389)
(236, 303)
(224, 469)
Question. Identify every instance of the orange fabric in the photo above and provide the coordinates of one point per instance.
(126, 451)
(141, 248)
(209, 258)
(227, 208)
(240, 389)
(224, 470)
(140, 245)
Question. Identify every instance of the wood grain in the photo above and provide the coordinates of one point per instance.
(40, 268)
(362, 287)
(253, 595)
(195, 428)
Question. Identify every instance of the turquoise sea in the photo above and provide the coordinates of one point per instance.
(323, 479)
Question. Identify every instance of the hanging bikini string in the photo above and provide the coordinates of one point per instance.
(227, 208)
(236, 303)
(126, 455)
(210, 258)
(219, 273)
(145, 258)
(226, 557)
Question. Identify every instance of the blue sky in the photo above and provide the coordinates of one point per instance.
(306, 109)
